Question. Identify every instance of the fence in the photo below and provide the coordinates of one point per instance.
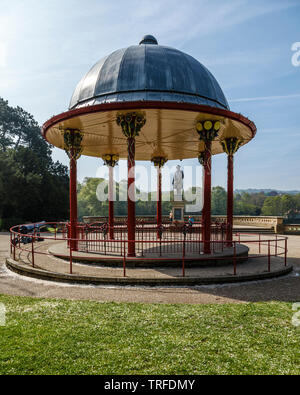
(173, 246)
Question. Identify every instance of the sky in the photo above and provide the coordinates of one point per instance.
(250, 46)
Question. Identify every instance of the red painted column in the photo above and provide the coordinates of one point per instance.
(131, 197)
(207, 199)
(230, 199)
(111, 202)
(73, 200)
(159, 197)
(204, 208)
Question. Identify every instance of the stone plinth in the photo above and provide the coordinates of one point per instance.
(178, 210)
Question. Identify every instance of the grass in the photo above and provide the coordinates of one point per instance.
(66, 337)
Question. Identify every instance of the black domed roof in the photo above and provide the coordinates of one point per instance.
(148, 72)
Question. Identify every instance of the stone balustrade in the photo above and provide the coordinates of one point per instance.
(275, 223)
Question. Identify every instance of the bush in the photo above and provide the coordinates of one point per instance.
(7, 223)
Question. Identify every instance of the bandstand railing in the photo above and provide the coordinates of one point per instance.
(181, 245)
(166, 239)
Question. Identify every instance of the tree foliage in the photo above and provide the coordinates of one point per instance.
(90, 205)
(32, 186)
(219, 201)
(252, 204)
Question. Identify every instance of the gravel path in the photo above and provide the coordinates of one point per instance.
(283, 289)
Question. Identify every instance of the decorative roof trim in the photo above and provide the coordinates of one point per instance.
(147, 105)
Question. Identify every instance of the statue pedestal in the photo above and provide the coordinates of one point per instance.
(178, 211)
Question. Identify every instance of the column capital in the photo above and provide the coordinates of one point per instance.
(159, 161)
(131, 123)
(73, 142)
(231, 145)
(111, 160)
(208, 130)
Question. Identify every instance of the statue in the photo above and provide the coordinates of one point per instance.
(178, 183)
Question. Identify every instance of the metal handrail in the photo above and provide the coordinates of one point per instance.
(17, 238)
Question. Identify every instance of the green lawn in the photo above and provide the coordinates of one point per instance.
(64, 337)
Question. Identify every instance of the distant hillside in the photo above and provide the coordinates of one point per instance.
(266, 191)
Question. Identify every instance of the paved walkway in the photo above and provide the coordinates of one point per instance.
(283, 289)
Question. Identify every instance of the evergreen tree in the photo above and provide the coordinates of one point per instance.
(32, 186)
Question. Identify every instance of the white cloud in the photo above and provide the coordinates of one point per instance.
(263, 98)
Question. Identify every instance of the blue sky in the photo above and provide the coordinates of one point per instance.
(47, 46)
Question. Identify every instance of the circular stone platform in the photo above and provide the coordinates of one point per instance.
(165, 279)
(50, 268)
(152, 259)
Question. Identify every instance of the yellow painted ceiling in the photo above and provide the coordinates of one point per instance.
(168, 133)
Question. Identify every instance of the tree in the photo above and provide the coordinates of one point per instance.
(90, 205)
(32, 186)
(280, 205)
(288, 203)
(272, 206)
(219, 201)
(248, 204)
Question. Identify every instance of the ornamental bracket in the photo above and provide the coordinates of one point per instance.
(131, 123)
(231, 145)
(159, 161)
(73, 142)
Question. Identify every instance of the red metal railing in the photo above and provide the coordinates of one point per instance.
(146, 232)
(173, 247)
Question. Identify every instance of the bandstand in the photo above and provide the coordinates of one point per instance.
(152, 103)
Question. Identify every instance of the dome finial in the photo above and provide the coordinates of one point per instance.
(148, 39)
